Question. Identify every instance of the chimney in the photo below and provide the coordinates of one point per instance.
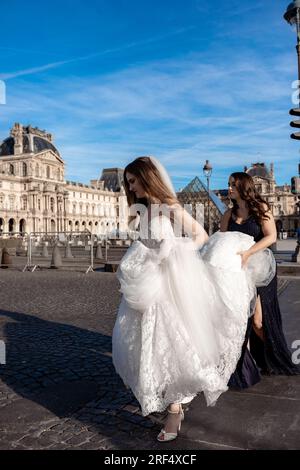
(17, 133)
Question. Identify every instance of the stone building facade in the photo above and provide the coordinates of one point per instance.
(284, 200)
(35, 197)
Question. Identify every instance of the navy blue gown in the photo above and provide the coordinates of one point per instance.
(272, 355)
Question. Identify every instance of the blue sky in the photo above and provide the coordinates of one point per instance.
(184, 80)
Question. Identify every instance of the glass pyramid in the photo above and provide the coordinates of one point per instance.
(196, 186)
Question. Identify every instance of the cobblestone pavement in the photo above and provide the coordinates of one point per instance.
(58, 389)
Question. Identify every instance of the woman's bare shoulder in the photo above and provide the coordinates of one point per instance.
(225, 220)
(227, 214)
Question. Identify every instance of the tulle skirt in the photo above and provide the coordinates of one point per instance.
(182, 319)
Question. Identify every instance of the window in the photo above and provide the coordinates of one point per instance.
(37, 172)
(0, 184)
(73, 194)
(24, 203)
(11, 170)
(39, 204)
(87, 196)
(1, 201)
(24, 169)
(48, 171)
(11, 203)
(25, 187)
(52, 204)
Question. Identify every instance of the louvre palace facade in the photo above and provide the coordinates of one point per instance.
(36, 197)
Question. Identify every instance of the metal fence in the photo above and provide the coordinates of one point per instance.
(30, 251)
(12, 244)
(61, 244)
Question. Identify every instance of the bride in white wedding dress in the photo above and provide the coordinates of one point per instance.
(183, 315)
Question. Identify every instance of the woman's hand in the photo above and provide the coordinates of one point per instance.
(245, 255)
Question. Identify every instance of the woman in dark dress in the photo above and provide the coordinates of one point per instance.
(268, 349)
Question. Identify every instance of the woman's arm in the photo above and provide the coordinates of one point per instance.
(185, 223)
(225, 221)
(270, 236)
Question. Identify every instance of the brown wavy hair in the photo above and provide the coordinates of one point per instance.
(246, 188)
(150, 180)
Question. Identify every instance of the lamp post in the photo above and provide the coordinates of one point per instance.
(207, 171)
(292, 16)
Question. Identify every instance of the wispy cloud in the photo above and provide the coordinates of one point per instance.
(183, 111)
(33, 70)
(238, 9)
(53, 65)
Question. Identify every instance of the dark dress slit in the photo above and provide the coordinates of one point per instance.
(271, 356)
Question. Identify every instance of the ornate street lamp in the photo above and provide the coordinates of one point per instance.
(207, 171)
(292, 16)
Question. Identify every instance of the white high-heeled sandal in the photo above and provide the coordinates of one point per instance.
(170, 436)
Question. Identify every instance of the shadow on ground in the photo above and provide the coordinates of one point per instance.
(63, 371)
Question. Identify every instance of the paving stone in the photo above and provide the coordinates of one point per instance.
(59, 388)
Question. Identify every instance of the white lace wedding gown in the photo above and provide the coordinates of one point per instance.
(183, 315)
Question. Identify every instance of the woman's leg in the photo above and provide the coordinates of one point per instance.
(257, 319)
(172, 423)
(173, 418)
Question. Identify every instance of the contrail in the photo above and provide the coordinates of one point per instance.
(52, 65)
